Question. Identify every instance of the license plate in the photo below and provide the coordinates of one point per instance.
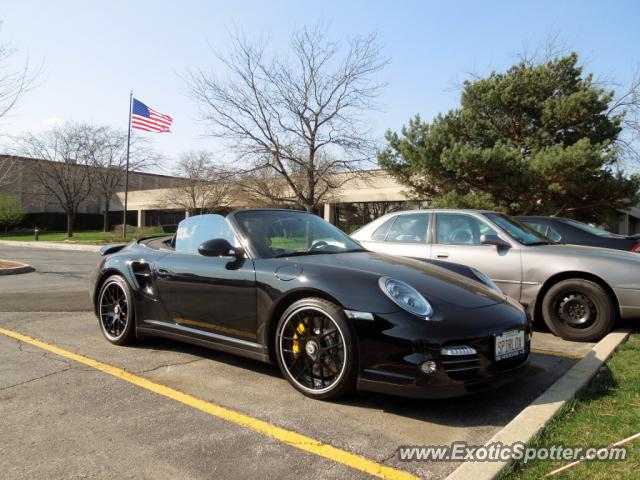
(509, 344)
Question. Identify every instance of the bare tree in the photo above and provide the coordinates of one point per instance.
(111, 161)
(264, 187)
(14, 83)
(203, 187)
(8, 171)
(301, 115)
(65, 157)
(627, 108)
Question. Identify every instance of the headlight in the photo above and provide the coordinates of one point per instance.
(486, 280)
(406, 297)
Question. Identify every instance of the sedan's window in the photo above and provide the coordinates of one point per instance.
(553, 235)
(589, 229)
(539, 227)
(522, 232)
(410, 228)
(194, 231)
(460, 229)
(381, 232)
(546, 230)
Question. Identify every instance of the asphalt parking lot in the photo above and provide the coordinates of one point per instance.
(64, 419)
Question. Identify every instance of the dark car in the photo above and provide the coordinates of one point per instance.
(287, 287)
(566, 230)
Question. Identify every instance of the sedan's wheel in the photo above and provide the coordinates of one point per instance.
(578, 310)
(315, 349)
(115, 311)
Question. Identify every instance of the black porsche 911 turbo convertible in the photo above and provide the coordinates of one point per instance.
(285, 286)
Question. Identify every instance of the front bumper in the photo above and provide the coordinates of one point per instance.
(417, 389)
(393, 346)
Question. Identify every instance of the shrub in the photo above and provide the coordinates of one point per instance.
(11, 212)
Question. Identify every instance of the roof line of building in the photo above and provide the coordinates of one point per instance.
(30, 159)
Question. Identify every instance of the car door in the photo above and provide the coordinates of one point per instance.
(402, 234)
(456, 238)
(214, 296)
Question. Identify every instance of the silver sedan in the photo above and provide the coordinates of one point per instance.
(578, 291)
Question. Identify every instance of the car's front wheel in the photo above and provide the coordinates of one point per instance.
(315, 349)
(579, 310)
(115, 311)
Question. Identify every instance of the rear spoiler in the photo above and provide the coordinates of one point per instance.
(634, 237)
(112, 248)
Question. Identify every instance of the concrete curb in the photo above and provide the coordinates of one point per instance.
(52, 245)
(528, 423)
(19, 268)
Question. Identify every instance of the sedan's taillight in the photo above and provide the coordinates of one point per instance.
(636, 248)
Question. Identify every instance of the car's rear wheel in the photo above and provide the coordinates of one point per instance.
(115, 311)
(579, 310)
(315, 349)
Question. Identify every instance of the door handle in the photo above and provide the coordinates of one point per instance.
(442, 255)
(162, 272)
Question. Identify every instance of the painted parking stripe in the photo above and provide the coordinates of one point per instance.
(557, 354)
(288, 437)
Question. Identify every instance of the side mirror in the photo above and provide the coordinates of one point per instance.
(219, 247)
(494, 240)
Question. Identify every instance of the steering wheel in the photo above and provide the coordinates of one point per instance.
(461, 236)
(318, 245)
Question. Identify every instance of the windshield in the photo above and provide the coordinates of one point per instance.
(282, 233)
(589, 229)
(518, 230)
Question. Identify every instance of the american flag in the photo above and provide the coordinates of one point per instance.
(147, 119)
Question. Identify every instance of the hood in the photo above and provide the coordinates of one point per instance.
(437, 284)
(581, 251)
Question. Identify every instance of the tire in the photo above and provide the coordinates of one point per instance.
(308, 350)
(116, 318)
(578, 310)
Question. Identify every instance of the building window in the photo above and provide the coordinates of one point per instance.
(351, 216)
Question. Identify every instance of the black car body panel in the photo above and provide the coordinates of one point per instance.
(563, 230)
(234, 305)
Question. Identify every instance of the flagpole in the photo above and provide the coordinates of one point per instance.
(126, 175)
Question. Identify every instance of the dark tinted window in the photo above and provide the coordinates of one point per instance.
(553, 234)
(539, 227)
(590, 229)
(410, 228)
(546, 230)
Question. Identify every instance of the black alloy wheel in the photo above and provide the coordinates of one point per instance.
(314, 348)
(115, 311)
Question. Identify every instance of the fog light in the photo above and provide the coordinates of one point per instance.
(458, 350)
(428, 367)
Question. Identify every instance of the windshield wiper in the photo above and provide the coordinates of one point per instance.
(540, 242)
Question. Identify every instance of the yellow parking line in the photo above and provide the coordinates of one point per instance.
(557, 354)
(293, 439)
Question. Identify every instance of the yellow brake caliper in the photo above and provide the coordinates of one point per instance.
(300, 329)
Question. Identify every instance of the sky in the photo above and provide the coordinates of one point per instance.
(91, 54)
